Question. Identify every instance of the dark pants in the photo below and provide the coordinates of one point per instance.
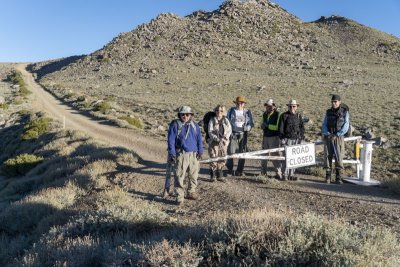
(334, 149)
(238, 144)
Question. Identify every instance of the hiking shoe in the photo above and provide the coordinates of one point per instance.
(239, 174)
(339, 181)
(328, 180)
(284, 178)
(165, 194)
(295, 178)
(179, 201)
(229, 173)
(193, 196)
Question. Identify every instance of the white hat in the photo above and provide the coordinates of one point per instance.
(185, 110)
(292, 103)
(269, 102)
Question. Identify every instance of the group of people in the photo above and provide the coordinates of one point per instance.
(227, 134)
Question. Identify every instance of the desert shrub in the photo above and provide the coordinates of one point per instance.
(35, 128)
(170, 253)
(308, 240)
(136, 122)
(92, 175)
(17, 101)
(312, 170)
(81, 98)
(23, 112)
(21, 164)
(16, 78)
(19, 217)
(266, 180)
(4, 106)
(102, 107)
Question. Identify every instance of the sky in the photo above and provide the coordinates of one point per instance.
(37, 30)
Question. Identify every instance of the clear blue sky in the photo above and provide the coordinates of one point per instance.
(34, 30)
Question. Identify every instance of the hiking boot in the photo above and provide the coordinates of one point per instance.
(239, 174)
(220, 174)
(165, 194)
(295, 178)
(328, 176)
(339, 176)
(284, 178)
(193, 196)
(212, 176)
(230, 173)
(179, 201)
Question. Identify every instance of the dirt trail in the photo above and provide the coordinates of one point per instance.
(135, 140)
(356, 204)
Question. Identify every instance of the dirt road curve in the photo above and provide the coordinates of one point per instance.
(147, 149)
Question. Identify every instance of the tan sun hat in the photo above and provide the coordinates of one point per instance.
(269, 102)
(240, 99)
(185, 110)
(292, 103)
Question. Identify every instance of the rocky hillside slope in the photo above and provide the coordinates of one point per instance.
(253, 48)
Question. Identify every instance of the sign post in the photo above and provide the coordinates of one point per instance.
(300, 155)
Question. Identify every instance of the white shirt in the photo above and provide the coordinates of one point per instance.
(239, 120)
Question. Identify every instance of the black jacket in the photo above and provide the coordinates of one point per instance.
(291, 126)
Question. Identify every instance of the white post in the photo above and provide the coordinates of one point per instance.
(366, 159)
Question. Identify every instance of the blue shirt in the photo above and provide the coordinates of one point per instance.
(187, 141)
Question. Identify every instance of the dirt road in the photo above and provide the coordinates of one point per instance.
(131, 139)
(356, 204)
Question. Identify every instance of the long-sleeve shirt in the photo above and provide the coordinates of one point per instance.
(340, 132)
(188, 139)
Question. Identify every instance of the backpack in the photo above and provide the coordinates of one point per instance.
(350, 130)
(206, 119)
(180, 125)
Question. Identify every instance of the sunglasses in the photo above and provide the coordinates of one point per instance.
(185, 114)
(293, 106)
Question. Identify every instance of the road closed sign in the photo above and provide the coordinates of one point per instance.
(300, 155)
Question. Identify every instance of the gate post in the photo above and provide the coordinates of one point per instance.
(366, 160)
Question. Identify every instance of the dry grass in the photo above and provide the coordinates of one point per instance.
(170, 253)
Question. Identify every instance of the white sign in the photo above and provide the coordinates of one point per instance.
(300, 155)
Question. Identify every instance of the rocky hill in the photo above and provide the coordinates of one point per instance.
(253, 48)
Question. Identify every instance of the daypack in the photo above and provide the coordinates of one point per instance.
(350, 130)
(180, 125)
(206, 119)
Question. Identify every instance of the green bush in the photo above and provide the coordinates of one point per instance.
(21, 164)
(3, 106)
(16, 78)
(133, 121)
(35, 128)
(102, 107)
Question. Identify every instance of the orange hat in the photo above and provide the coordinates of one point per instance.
(240, 99)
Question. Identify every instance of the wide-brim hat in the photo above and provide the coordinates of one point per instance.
(240, 99)
(292, 103)
(185, 110)
(269, 102)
